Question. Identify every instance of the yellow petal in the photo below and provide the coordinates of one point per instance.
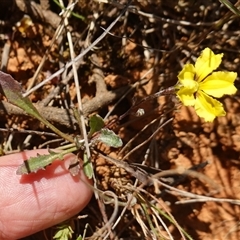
(186, 76)
(219, 83)
(186, 96)
(206, 63)
(208, 107)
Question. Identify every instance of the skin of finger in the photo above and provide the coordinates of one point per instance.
(36, 201)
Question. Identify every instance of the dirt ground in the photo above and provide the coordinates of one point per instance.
(141, 55)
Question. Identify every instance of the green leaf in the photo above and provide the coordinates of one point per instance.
(109, 138)
(12, 90)
(33, 164)
(229, 5)
(87, 166)
(96, 123)
(64, 233)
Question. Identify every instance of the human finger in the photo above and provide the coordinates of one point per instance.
(36, 201)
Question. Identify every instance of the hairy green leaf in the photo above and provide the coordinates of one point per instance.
(33, 164)
(12, 90)
(109, 138)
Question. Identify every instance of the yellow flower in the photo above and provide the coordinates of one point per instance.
(197, 83)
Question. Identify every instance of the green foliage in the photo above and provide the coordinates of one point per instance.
(110, 138)
(79, 238)
(12, 90)
(104, 135)
(64, 232)
(33, 164)
(87, 166)
(96, 123)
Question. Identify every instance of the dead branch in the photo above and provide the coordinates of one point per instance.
(65, 116)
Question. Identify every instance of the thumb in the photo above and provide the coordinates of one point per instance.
(34, 202)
